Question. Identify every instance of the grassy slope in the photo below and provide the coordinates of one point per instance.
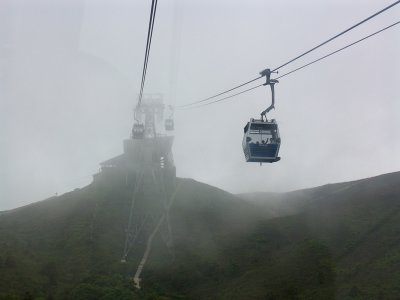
(336, 241)
(359, 223)
(51, 245)
(48, 248)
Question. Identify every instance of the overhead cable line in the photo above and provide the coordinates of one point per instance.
(148, 45)
(297, 57)
(219, 94)
(334, 52)
(225, 98)
(339, 34)
(306, 65)
(151, 35)
(146, 54)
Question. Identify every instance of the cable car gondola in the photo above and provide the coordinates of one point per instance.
(261, 140)
(169, 124)
(138, 131)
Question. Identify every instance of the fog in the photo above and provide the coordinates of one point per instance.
(70, 74)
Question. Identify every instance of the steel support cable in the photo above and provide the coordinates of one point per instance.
(225, 98)
(219, 94)
(146, 53)
(297, 57)
(151, 36)
(149, 43)
(337, 35)
(304, 66)
(148, 46)
(139, 179)
(133, 240)
(334, 52)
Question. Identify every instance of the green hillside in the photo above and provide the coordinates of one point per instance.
(359, 223)
(338, 241)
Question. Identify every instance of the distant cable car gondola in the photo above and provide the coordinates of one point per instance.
(261, 140)
(138, 131)
(169, 124)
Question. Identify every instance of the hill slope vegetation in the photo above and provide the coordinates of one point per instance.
(339, 241)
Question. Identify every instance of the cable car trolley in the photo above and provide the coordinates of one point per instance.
(261, 140)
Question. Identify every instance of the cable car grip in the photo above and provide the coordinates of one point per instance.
(271, 82)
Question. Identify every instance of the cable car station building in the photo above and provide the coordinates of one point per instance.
(145, 150)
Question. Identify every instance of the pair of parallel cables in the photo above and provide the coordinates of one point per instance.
(148, 45)
(204, 102)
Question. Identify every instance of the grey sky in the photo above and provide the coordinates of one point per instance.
(70, 72)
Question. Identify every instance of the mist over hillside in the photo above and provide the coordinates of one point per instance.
(201, 93)
(338, 241)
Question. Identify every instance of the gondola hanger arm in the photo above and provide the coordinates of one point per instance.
(271, 82)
